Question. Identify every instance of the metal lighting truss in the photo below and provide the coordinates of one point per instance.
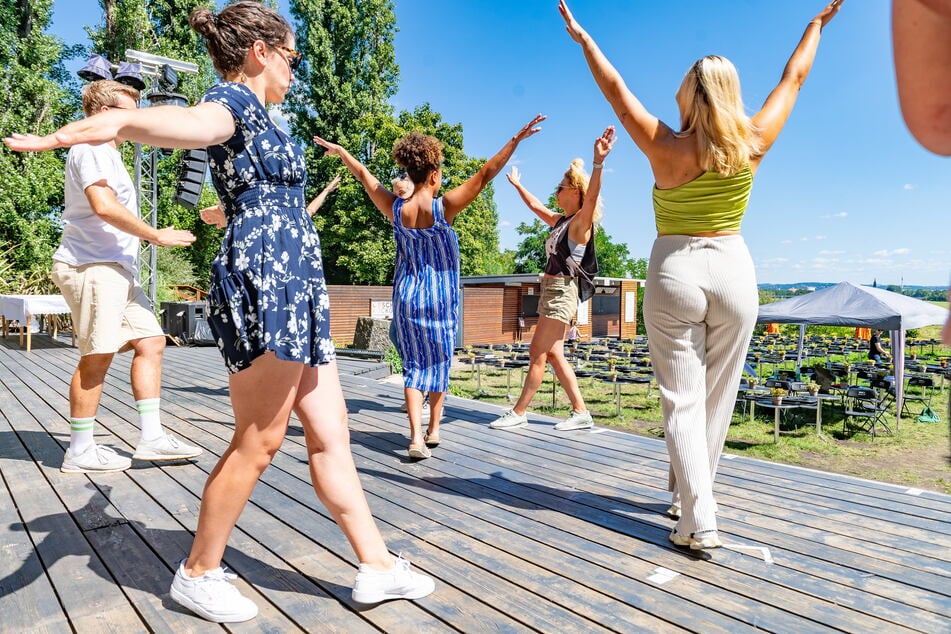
(161, 85)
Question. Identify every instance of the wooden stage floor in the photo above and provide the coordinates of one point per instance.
(526, 530)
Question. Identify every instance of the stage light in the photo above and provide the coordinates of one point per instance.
(97, 67)
(130, 74)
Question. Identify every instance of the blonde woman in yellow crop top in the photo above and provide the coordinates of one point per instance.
(701, 301)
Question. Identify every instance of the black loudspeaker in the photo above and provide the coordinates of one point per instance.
(181, 319)
(191, 177)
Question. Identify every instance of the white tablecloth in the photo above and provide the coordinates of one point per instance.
(19, 307)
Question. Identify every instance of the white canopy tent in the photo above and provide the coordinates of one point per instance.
(846, 304)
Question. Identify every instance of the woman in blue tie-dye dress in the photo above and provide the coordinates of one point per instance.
(426, 278)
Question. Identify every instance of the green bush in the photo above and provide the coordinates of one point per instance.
(392, 356)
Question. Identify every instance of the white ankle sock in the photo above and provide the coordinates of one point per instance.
(149, 420)
(80, 434)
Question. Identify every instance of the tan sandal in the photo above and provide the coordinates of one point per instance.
(419, 452)
(432, 440)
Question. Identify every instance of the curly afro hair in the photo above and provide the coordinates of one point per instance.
(419, 154)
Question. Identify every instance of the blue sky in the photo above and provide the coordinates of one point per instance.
(846, 194)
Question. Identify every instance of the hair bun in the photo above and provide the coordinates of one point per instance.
(578, 164)
(204, 22)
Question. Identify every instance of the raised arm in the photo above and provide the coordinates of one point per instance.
(649, 133)
(382, 197)
(317, 202)
(775, 111)
(459, 198)
(163, 126)
(580, 230)
(104, 204)
(547, 216)
(921, 37)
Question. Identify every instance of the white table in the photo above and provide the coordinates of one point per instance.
(22, 308)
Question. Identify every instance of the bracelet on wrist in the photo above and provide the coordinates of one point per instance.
(596, 166)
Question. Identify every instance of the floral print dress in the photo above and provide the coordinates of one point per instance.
(267, 284)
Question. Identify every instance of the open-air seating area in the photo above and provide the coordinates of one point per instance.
(773, 359)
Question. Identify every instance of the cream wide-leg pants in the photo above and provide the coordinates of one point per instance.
(700, 306)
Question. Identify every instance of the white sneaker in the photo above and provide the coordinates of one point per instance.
(212, 596)
(95, 459)
(675, 509)
(165, 447)
(509, 420)
(702, 540)
(404, 408)
(399, 582)
(577, 420)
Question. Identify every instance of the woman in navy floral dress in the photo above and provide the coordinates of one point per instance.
(269, 305)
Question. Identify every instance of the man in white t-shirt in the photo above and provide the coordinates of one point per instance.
(96, 269)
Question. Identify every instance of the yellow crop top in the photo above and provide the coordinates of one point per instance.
(708, 203)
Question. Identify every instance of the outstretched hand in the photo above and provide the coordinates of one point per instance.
(31, 142)
(828, 13)
(99, 128)
(530, 128)
(332, 148)
(604, 143)
(571, 25)
(172, 237)
(514, 177)
(214, 215)
(333, 184)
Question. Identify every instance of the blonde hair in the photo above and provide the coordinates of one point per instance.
(104, 92)
(576, 178)
(711, 107)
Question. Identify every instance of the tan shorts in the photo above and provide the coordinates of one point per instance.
(559, 298)
(109, 307)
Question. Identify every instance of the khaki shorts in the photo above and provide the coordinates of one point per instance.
(559, 298)
(109, 307)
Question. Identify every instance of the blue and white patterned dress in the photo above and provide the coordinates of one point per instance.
(267, 283)
(426, 299)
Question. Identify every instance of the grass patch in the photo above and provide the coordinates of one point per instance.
(916, 455)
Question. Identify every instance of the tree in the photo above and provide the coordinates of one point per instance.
(356, 239)
(614, 258)
(349, 73)
(35, 97)
(160, 27)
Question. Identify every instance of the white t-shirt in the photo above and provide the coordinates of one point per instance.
(86, 237)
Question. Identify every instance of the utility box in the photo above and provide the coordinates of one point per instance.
(180, 319)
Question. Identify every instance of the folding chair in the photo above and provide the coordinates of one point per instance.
(926, 386)
(864, 403)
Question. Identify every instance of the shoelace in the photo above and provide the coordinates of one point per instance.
(220, 574)
(101, 449)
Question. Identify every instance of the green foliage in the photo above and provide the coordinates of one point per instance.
(392, 356)
(36, 96)
(173, 267)
(349, 69)
(357, 240)
(161, 27)
(614, 258)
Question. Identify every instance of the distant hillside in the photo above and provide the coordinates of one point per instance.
(820, 285)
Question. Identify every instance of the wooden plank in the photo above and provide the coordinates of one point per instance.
(27, 598)
(548, 474)
(245, 559)
(86, 590)
(590, 529)
(503, 521)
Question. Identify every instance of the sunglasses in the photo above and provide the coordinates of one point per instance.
(293, 57)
